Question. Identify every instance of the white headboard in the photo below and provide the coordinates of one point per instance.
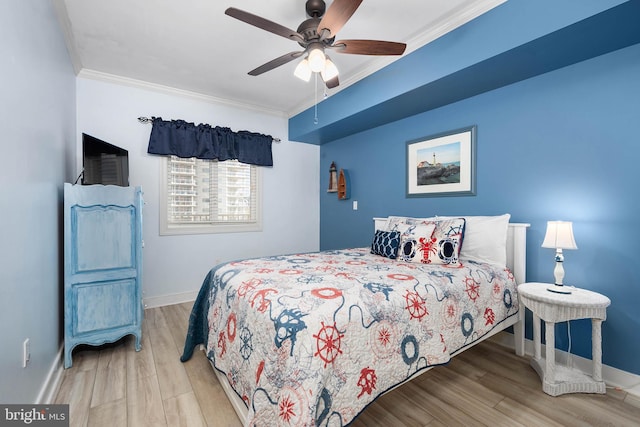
(516, 247)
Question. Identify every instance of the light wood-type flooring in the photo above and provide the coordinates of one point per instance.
(115, 386)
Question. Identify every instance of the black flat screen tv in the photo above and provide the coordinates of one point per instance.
(104, 163)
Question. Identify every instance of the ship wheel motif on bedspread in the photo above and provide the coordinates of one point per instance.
(416, 305)
(472, 288)
(328, 341)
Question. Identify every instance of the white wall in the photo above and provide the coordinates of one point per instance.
(175, 265)
(37, 113)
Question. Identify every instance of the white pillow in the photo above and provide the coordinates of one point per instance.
(485, 238)
(398, 223)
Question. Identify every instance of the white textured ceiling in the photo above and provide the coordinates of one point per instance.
(193, 46)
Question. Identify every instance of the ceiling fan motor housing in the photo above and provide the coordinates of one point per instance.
(315, 8)
(308, 30)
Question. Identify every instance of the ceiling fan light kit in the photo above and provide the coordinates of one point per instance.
(315, 35)
(316, 57)
(329, 71)
(303, 70)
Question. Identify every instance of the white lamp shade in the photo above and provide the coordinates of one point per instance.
(559, 235)
(316, 59)
(330, 70)
(303, 71)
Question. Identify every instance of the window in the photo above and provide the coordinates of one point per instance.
(207, 196)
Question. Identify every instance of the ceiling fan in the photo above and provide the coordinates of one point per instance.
(316, 35)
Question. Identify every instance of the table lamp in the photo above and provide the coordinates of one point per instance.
(559, 236)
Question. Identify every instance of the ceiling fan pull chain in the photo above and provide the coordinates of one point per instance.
(315, 103)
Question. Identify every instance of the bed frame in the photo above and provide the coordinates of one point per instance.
(516, 261)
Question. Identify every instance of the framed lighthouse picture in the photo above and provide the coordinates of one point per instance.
(442, 164)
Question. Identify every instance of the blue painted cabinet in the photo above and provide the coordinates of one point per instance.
(102, 265)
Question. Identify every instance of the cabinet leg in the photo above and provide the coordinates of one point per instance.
(138, 342)
(67, 357)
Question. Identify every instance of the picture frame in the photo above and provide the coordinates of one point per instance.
(443, 164)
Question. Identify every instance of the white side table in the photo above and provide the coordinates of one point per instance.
(552, 308)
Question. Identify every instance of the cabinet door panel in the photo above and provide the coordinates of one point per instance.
(105, 305)
(103, 237)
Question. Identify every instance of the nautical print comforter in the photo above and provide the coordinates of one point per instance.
(312, 339)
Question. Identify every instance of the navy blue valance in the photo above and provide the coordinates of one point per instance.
(184, 139)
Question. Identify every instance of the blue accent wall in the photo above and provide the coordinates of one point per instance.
(563, 145)
(518, 40)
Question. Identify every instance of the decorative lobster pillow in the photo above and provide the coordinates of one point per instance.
(413, 239)
(431, 242)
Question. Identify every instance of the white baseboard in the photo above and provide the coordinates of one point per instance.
(161, 301)
(613, 377)
(51, 384)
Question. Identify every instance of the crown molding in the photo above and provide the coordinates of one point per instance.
(80, 71)
(168, 90)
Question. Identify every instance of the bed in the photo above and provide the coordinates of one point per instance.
(314, 338)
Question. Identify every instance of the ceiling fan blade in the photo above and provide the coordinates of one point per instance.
(331, 83)
(287, 57)
(336, 16)
(369, 47)
(265, 24)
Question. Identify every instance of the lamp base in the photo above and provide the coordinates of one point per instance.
(559, 289)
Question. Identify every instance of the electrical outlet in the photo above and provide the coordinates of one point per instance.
(26, 352)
